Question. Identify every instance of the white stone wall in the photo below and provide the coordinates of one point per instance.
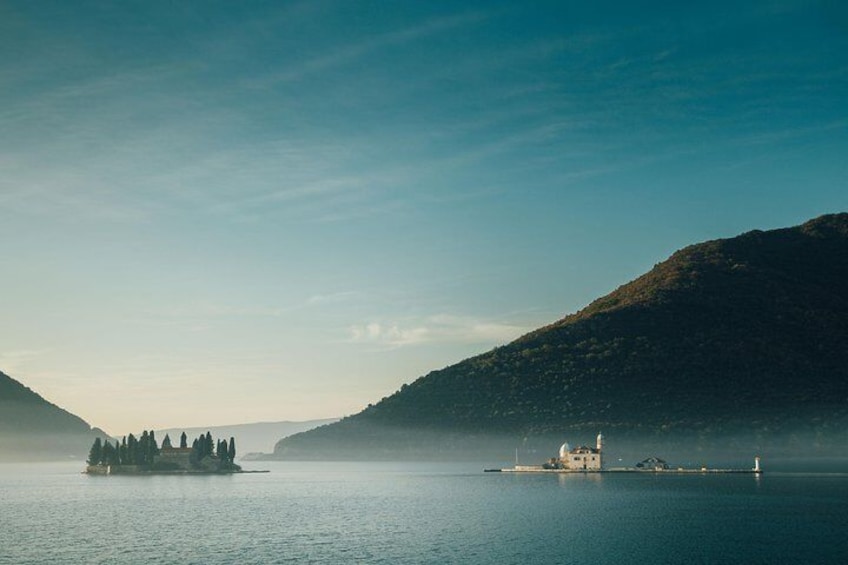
(580, 461)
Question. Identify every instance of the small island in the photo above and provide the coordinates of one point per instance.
(584, 459)
(143, 456)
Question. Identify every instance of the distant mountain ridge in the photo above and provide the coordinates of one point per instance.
(737, 343)
(251, 438)
(33, 428)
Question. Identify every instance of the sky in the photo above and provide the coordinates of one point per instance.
(228, 212)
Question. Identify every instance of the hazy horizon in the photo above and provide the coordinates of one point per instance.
(256, 212)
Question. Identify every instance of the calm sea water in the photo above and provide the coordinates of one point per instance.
(418, 513)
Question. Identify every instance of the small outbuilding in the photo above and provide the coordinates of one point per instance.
(652, 464)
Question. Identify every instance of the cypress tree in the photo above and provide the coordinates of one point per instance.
(96, 452)
(209, 445)
(131, 450)
(106, 454)
(199, 444)
(122, 452)
(152, 448)
(144, 448)
(232, 450)
(195, 455)
(183, 441)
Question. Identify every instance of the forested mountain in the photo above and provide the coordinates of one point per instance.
(734, 344)
(33, 428)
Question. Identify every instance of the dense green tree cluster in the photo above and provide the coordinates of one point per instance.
(142, 451)
(129, 451)
(203, 446)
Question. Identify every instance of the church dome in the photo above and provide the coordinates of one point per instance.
(563, 450)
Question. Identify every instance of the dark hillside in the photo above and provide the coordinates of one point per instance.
(33, 428)
(741, 341)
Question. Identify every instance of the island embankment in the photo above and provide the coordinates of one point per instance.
(136, 470)
(621, 470)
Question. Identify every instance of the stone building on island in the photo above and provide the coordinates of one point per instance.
(170, 457)
(581, 458)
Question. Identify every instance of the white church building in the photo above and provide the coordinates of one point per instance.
(581, 458)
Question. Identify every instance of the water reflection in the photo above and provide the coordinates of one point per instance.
(584, 478)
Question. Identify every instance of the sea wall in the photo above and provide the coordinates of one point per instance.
(127, 469)
(114, 469)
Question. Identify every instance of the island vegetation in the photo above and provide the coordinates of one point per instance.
(143, 455)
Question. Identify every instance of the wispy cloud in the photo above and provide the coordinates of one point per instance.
(200, 316)
(353, 52)
(12, 362)
(781, 135)
(332, 298)
(73, 197)
(440, 328)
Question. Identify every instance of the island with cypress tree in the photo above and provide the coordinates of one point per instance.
(143, 455)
